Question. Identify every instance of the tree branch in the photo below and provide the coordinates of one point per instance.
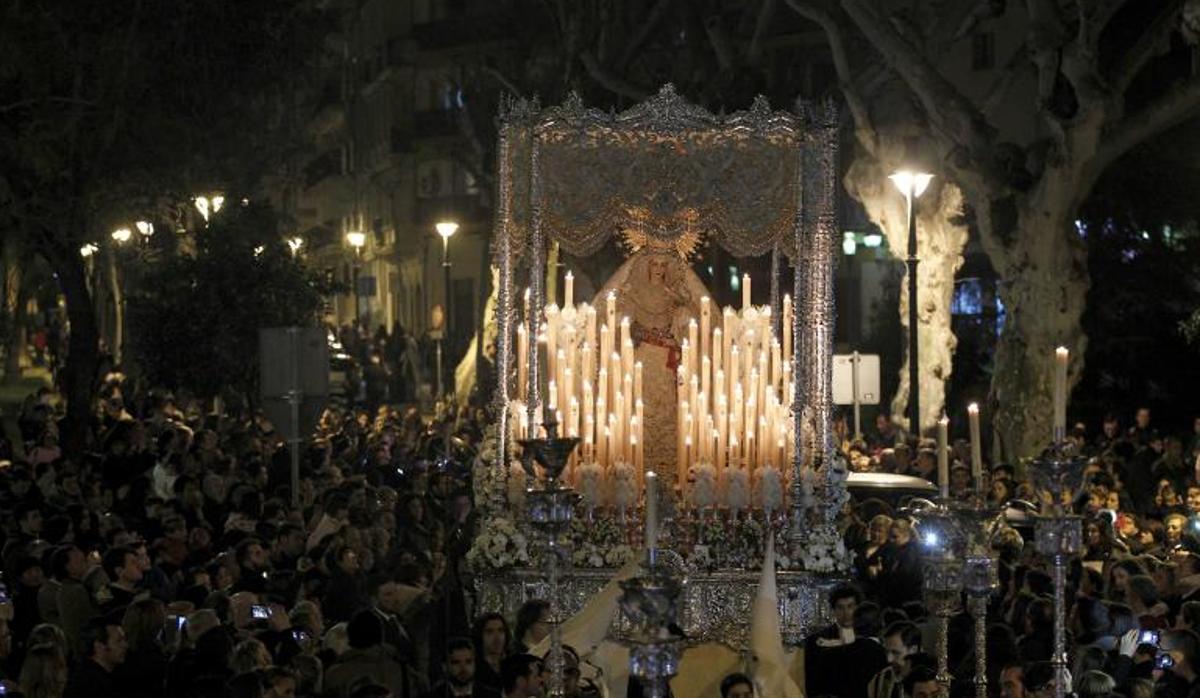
(761, 26)
(863, 126)
(607, 80)
(1092, 24)
(1014, 68)
(503, 80)
(948, 110)
(1148, 45)
(1171, 109)
(635, 42)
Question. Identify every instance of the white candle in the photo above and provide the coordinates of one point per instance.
(637, 380)
(569, 291)
(522, 360)
(786, 328)
(745, 291)
(943, 460)
(1061, 356)
(976, 447)
(693, 340)
(705, 326)
(651, 510)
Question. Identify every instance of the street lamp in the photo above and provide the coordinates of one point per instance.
(357, 240)
(122, 235)
(912, 184)
(88, 250)
(294, 244)
(145, 228)
(446, 229)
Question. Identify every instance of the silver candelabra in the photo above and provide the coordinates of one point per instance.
(551, 507)
(650, 603)
(942, 561)
(980, 573)
(1059, 535)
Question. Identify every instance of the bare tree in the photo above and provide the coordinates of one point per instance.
(1098, 90)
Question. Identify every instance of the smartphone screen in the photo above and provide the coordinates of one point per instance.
(260, 612)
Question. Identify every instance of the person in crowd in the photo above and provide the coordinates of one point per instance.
(368, 659)
(460, 673)
(491, 647)
(44, 672)
(901, 640)
(737, 686)
(521, 676)
(837, 661)
(533, 624)
(103, 640)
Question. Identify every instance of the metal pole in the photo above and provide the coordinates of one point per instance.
(854, 386)
(1060, 626)
(943, 653)
(446, 298)
(357, 269)
(979, 608)
(914, 390)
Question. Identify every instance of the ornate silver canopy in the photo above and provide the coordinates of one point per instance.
(665, 167)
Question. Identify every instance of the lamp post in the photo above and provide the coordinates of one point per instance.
(356, 240)
(446, 229)
(912, 185)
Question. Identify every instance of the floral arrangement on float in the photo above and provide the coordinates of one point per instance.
(721, 525)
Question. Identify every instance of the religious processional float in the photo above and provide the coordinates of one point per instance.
(690, 429)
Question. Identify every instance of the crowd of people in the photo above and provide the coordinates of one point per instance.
(1132, 605)
(173, 558)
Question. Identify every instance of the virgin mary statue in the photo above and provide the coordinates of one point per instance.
(659, 293)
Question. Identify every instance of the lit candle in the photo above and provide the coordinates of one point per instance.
(639, 411)
(745, 291)
(552, 395)
(522, 360)
(976, 449)
(590, 339)
(705, 326)
(943, 460)
(1061, 356)
(717, 345)
(786, 328)
(651, 510)
(569, 291)
(693, 340)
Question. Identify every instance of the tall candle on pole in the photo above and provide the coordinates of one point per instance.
(943, 459)
(651, 510)
(976, 447)
(1061, 356)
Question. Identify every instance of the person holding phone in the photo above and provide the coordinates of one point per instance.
(1176, 664)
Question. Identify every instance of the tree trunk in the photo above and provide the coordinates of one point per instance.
(83, 350)
(1044, 290)
(939, 247)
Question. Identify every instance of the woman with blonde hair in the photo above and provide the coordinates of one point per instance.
(44, 672)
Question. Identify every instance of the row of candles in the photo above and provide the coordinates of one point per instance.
(730, 382)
